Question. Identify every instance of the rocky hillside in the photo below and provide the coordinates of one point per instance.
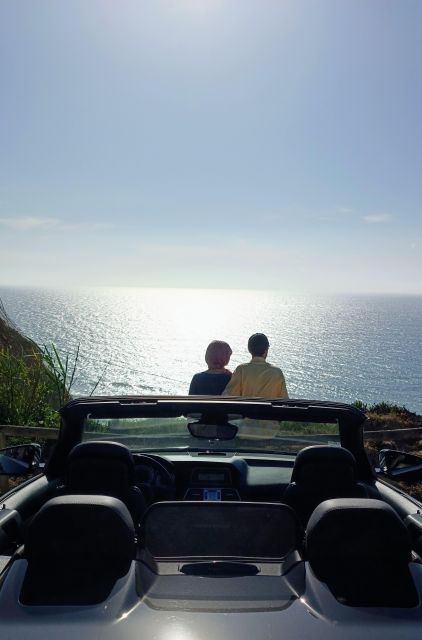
(11, 339)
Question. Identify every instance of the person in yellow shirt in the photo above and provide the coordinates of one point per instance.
(257, 378)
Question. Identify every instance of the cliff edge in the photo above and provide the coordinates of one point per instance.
(12, 339)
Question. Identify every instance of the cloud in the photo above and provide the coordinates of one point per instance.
(28, 222)
(86, 226)
(377, 218)
(344, 210)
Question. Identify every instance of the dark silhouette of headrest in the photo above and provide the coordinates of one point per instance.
(361, 550)
(321, 465)
(76, 548)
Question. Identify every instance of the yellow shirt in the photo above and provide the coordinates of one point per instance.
(257, 379)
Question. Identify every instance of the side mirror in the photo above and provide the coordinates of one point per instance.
(400, 465)
(19, 460)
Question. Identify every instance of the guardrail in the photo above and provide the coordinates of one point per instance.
(405, 431)
(13, 431)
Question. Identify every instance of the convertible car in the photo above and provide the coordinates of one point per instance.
(200, 518)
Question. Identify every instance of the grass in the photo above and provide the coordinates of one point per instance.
(33, 386)
(27, 396)
(34, 382)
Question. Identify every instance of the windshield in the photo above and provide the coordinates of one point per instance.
(172, 434)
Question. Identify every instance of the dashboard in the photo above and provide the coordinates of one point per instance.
(211, 484)
(225, 477)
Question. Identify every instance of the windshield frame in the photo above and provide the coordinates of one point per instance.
(73, 414)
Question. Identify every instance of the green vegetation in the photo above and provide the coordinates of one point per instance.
(308, 428)
(34, 382)
(26, 394)
(388, 417)
(178, 426)
(380, 408)
(138, 426)
(33, 386)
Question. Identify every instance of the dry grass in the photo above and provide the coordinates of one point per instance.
(391, 422)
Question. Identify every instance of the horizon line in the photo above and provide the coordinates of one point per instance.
(70, 287)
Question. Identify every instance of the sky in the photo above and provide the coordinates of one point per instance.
(264, 144)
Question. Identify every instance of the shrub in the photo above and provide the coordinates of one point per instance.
(362, 406)
(385, 408)
(26, 394)
(33, 386)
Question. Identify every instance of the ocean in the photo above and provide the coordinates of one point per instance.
(151, 341)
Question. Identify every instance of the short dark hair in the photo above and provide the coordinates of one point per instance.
(258, 344)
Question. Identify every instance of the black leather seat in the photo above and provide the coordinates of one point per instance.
(361, 550)
(105, 468)
(77, 547)
(320, 473)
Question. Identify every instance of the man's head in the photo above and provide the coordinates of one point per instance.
(258, 345)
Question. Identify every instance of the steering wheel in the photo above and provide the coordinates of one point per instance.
(158, 476)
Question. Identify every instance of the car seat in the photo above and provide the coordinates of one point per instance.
(76, 548)
(105, 468)
(361, 550)
(321, 472)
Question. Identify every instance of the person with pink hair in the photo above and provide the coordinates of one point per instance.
(213, 381)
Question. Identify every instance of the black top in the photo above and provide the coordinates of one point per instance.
(209, 384)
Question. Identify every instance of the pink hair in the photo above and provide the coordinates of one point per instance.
(218, 354)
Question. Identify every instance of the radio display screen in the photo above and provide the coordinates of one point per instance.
(212, 494)
(211, 476)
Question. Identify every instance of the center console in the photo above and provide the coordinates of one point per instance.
(211, 485)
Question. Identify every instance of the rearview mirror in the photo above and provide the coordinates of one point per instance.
(17, 461)
(400, 465)
(208, 431)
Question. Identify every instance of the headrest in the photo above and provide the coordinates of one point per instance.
(97, 462)
(322, 466)
(357, 531)
(81, 529)
(220, 530)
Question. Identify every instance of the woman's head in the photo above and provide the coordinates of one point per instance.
(218, 354)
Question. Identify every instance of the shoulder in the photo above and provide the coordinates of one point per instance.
(241, 367)
(201, 374)
(197, 378)
(277, 371)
